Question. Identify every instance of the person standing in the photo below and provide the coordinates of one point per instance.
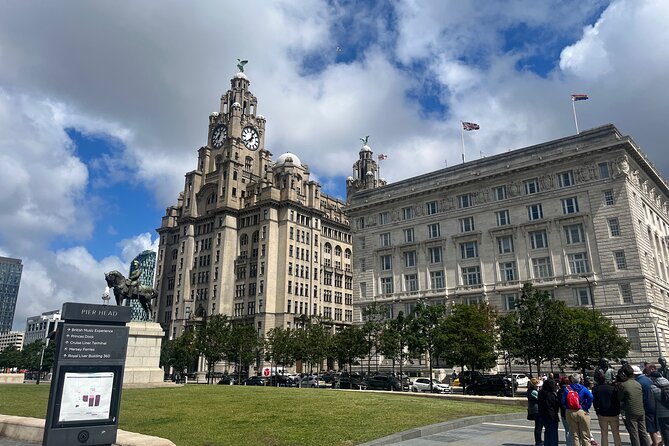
(533, 409)
(630, 396)
(648, 400)
(578, 410)
(564, 388)
(548, 412)
(607, 408)
(660, 386)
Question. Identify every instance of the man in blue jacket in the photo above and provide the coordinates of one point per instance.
(579, 419)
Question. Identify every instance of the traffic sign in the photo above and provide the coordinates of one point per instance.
(266, 371)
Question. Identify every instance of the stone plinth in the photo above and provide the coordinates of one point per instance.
(142, 363)
(11, 378)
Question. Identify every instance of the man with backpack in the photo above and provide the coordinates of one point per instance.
(630, 396)
(578, 400)
(660, 391)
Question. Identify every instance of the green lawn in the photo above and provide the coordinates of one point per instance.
(200, 415)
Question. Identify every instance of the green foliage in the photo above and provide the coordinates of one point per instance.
(242, 345)
(180, 353)
(212, 338)
(10, 357)
(395, 340)
(348, 345)
(425, 331)
(469, 336)
(31, 355)
(375, 316)
(279, 346)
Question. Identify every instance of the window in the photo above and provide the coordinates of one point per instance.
(574, 234)
(467, 224)
(507, 271)
(609, 198)
(502, 218)
(570, 205)
(499, 193)
(407, 213)
(535, 212)
(578, 263)
(465, 201)
(614, 227)
(433, 230)
(386, 262)
(566, 179)
(619, 257)
(385, 239)
(432, 207)
(435, 254)
(436, 279)
(410, 259)
(582, 296)
(471, 275)
(468, 250)
(386, 285)
(509, 301)
(409, 235)
(603, 170)
(410, 282)
(626, 293)
(634, 338)
(384, 218)
(541, 267)
(505, 244)
(538, 239)
(531, 186)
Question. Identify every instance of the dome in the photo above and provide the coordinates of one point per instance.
(370, 173)
(241, 75)
(365, 148)
(260, 117)
(288, 158)
(214, 114)
(236, 105)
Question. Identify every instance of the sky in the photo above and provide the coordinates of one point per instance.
(103, 105)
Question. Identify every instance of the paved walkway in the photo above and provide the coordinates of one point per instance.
(4, 441)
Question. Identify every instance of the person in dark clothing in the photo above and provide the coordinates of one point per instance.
(661, 385)
(607, 407)
(648, 402)
(564, 384)
(548, 412)
(533, 409)
(630, 396)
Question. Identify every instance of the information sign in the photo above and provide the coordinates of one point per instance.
(86, 396)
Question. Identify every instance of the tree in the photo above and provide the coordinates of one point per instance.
(211, 341)
(395, 340)
(279, 346)
(242, 346)
(469, 336)
(10, 357)
(425, 329)
(348, 345)
(318, 343)
(509, 337)
(180, 353)
(374, 316)
(31, 355)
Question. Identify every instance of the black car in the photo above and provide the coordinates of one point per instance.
(467, 377)
(255, 381)
(281, 381)
(349, 381)
(227, 380)
(490, 385)
(382, 382)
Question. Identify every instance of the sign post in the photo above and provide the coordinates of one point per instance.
(85, 395)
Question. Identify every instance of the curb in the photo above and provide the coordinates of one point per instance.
(441, 427)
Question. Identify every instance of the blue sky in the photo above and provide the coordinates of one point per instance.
(104, 105)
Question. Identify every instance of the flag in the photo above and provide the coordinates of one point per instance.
(382, 157)
(579, 97)
(470, 126)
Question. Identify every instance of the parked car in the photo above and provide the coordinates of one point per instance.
(312, 381)
(490, 385)
(520, 378)
(228, 380)
(281, 381)
(383, 382)
(423, 385)
(255, 381)
(467, 377)
(349, 381)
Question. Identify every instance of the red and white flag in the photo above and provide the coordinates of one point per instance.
(470, 126)
(382, 157)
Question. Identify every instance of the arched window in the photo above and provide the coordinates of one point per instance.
(255, 237)
(243, 240)
(327, 248)
(338, 251)
(347, 253)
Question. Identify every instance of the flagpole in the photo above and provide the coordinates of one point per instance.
(462, 134)
(573, 106)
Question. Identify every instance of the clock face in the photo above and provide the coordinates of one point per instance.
(250, 138)
(218, 136)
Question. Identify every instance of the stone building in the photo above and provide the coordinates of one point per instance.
(584, 217)
(250, 237)
(40, 326)
(10, 279)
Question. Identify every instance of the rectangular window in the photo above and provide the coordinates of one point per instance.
(634, 338)
(535, 212)
(386, 262)
(626, 293)
(435, 254)
(386, 285)
(609, 198)
(502, 218)
(471, 275)
(570, 205)
(410, 259)
(467, 224)
(507, 271)
(614, 227)
(538, 239)
(603, 170)
(385, 239)
(505, 244)
(531, 186)
(509, 301)
(574, 234)
(436, 279)
(469, 250)
(384, 218)
(566, 179)
(407, 213)
(432, 207)
(619, 257)
(578, 263)
(541, 267)
(409, 235)
(411, 282)
(499, 193)
(465, 201)
(433, 230)
(582, 296)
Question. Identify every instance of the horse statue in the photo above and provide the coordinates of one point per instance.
(124, 290)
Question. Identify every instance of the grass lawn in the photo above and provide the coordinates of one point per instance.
(201, 415)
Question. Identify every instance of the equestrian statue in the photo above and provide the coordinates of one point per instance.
(131, 288)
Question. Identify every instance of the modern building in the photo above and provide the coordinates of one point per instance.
(147, 266)
(11, 338)
(251, 237)
(10, 279)
(584, 217)
(40, 326)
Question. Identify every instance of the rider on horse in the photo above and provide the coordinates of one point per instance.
(133, 278)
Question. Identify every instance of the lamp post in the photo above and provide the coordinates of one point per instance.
(594, 314)
(655, 321)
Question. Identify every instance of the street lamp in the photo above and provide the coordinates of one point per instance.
(594, 314)
(655, 321)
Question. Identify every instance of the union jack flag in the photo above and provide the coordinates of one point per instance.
(579, 97)
(470, 126)
(382, 157)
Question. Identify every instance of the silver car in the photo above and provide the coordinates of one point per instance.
(423, 385)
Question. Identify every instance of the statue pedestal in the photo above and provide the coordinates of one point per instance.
(142, 363)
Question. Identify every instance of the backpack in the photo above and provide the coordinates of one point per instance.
(664, 396)
(573, 402)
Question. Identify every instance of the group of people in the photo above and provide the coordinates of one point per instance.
(638, 394)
